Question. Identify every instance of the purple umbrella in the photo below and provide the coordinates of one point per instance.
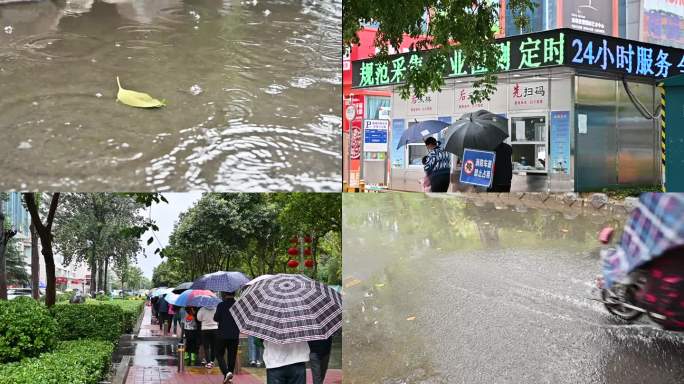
(221, 281)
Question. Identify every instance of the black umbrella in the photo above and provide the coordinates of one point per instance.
(481, 130)
(182, 287)
(420, 131)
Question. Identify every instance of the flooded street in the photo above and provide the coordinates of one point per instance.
(450, 290)
(251, 87)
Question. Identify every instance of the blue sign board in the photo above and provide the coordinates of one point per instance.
(560, 142)
(398, 155)
(477, 167)
(375, 135)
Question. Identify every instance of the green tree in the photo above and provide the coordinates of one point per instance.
(246, 232)
(468, 22)
(6, 235)
(130, 276)
(44, 230)
(166, 275)
(96, 228)
(16, 266)
(312, 214)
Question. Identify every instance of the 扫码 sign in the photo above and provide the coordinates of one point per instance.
(477, 167)
(375, 135)
(565, 47)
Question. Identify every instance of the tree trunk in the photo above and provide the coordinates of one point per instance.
(100, 272)
(106, 266)
(3, 261)
(93, 274)
(35, 264)
(314, 255)
(45, 233)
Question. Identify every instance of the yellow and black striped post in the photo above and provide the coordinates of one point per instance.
(661, 87)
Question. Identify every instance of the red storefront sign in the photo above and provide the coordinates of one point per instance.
(61, 280)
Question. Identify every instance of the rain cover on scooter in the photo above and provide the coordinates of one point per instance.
(653, 227)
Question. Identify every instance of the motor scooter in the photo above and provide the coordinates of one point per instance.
(644, 272)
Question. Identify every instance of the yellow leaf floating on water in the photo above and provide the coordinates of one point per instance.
(137, 99)
(351, 281)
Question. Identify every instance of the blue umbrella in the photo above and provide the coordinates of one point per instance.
(185, 299)
(221, 281)
(420, 131)
(203, 301)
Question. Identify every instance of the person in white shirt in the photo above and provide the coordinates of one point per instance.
(208, 335)
(286, 363)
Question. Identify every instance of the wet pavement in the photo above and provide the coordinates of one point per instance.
(154, 361)
(252, 91)
(443, 290)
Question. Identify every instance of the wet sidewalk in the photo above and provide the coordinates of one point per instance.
(154, 362)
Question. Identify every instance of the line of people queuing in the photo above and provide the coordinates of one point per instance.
(211, 334)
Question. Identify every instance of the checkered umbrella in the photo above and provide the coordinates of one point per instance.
(287, 309)
(221, 281)
(655, 226)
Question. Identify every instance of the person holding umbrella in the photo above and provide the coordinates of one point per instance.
(437, 166)
(319, 358)
(503, 169)
(208, 334)
(228, 336)
(286, 363)
(287, 311)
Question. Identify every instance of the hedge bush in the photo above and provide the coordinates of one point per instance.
(132, 309)
(73, 362)
(89, 321)
(26, 329)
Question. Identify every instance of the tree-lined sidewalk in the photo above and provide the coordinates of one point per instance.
(164, 370)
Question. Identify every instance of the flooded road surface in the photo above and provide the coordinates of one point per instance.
(252, 91)
(441, 290)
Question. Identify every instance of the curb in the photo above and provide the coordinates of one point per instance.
(596, 204)
(122, 370)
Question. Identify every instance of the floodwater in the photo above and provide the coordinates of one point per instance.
(252, 91)
(452, 290)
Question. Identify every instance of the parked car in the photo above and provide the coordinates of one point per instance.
(13, 293)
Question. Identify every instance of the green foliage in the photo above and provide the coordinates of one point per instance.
(93, 227)
(131, 309)
(26, 329)
(77, 362)
(246, 232)
(15, 264)
(65, 297)
(468, 22)
(620, 191)
(89, 321)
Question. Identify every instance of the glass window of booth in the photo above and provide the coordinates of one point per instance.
(529, 142)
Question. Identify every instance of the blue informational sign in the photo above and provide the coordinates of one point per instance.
(477, 167)
(375, 135)
(398, 156)
(560, 142)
